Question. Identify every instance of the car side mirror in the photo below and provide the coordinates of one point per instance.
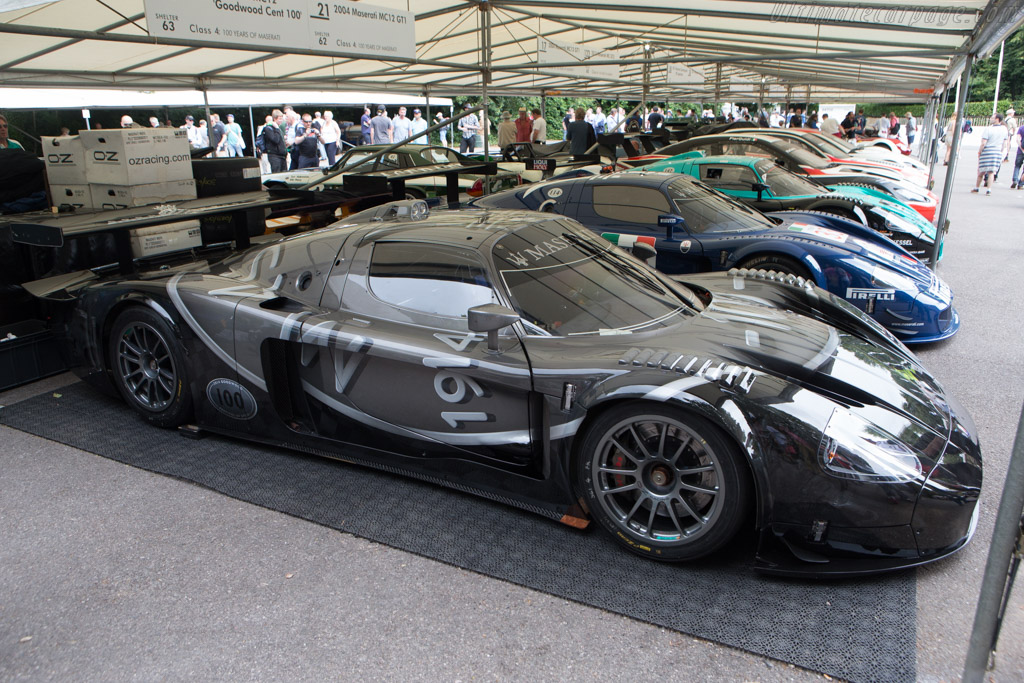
(643, 251)
(759, 188)
(490, 318)
(670, 221)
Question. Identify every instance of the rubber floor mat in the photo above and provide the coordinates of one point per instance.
(860, 630)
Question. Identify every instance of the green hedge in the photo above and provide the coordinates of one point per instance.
(876, 109)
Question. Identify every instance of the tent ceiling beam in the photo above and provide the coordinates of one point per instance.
(697, 11)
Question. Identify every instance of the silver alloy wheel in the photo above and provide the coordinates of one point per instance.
(146, 366)
(658, 480)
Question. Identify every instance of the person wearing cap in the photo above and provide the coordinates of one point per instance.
(506, 131)
(443, 131)
(417, 125)
(1011, 128)
(524, 126)
(911, 128)
(469, 126)
(381, 128)
(194, 139)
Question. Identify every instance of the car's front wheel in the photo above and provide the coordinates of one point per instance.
(666, 484)
(149, 367)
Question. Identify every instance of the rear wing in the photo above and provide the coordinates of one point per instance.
(46, 230)
(393, 180)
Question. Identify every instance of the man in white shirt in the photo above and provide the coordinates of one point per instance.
(195, 140)
(417, 125)
(540, 128)
(829, 126)
(402, 124)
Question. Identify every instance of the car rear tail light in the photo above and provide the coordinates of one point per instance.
(477, 189)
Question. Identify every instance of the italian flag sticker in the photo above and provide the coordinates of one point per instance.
(627, 241)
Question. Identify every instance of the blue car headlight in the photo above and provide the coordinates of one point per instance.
(852, 448)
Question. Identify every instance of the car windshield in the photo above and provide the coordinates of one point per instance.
(798, 152)
(389, 160)
(435, 155)
(708, 211)
(784, 183)
(831, 142)
(565, 282)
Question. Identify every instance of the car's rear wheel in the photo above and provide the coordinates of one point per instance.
(665, 484)
(415, 193)
(149, 367)
(779, 263)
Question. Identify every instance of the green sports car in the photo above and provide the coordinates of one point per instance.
(764, 185)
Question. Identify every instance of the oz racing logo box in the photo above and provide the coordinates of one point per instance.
(136, 156)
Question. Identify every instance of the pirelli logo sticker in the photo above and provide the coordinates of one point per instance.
(860, 293)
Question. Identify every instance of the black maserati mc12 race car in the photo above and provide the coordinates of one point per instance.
(519, 356)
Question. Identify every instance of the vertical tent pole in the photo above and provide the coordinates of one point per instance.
(485, 62)
(947, 188)
(252, 130)
(999, 76)
(206, 106)
(646, 82)
(995, 586)
(426, 96)
(933, 150)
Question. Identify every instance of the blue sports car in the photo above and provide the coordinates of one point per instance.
(695, 229)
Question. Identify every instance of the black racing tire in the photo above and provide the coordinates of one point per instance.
(664, 483)
(148, 367)
(779, 263)
(415, 193)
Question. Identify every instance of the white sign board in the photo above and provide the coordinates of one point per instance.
(680, 73)
(553, 52)
(332, 26)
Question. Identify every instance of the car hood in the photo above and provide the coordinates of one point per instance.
(798, 333)
(851, 237)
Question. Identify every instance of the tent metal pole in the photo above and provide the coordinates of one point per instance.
(485, 62)
(947, 188)
(252, 131)
(206, 107)
(936, 122)
(999, 76)
(999, 572)
(927, 131)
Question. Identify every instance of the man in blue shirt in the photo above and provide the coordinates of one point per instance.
(468, 126)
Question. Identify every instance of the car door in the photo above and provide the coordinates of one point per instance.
(619, 209)
(396, 368)
(738, 180)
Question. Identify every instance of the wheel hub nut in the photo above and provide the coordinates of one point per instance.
(660, 476)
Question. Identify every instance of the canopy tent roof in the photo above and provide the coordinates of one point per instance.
(86, 98)
(799, 49)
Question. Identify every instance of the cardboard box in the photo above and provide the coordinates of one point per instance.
(160, 239)
(136, 156)
(74, 196)
(125, 196)
(65, 160)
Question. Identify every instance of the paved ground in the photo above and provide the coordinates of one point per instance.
(112, 573)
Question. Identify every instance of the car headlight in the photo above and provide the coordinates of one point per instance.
(890, 279)
(852, 448)
(898, 223)
(908, 195)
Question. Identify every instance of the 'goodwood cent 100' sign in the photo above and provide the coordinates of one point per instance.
(331, 26)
